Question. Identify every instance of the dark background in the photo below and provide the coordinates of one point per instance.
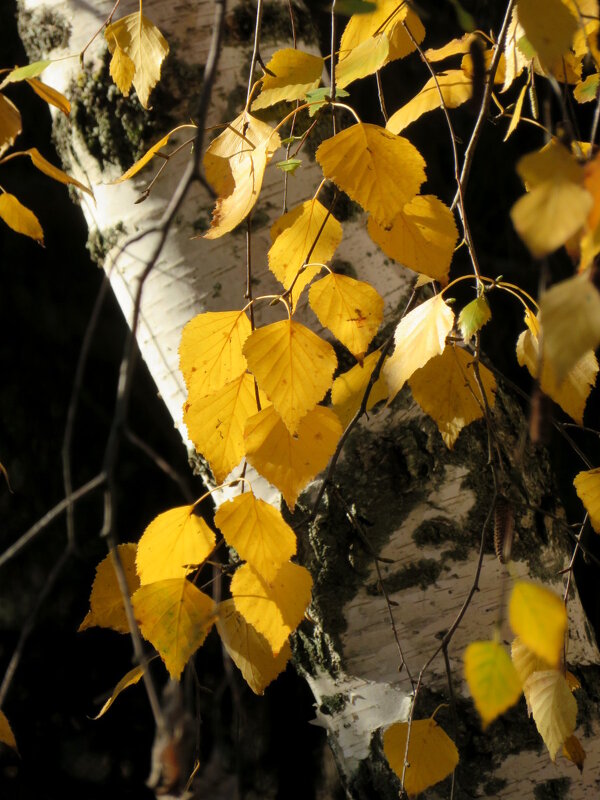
(46, 298)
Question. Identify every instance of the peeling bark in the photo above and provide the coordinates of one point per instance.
(423, 506)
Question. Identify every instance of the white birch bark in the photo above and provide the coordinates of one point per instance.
(362, 664)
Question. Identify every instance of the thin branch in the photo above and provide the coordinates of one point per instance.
(43, 523)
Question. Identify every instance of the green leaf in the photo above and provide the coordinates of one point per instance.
(320, 97)
(289, 165)
(26, 72)
(473, 317)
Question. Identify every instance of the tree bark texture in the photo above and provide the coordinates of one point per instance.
(420, 508)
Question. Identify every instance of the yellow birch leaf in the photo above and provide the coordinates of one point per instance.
(447, 391)
(349, 388)
(54, 172)
(550, 214)
(473, 317)
(210, 352)
(122, 70)
(351, 309)
(51, 96)
(516, 115)
(466, 64)
(258, 532)
(107, 609)
(453, 48)
(249, 650)
(492, 679)
(292, 365)
(515, 60)
(553, 707)
(389, 17)
(293, 236)
(420, 336)
(235, 164)
(432, 755)
(549, 25)
(7, 737)
(570, 319)
(130, 679)
(294, 74)
(553, 162)
(539, 619)
(587, 486)
(422, 237)
(274, 608)
(455, 86)
(173, 544)
(377, 169)
(144, 44)
(591, 181)
(149, 154)
(24, 73)
(10, 123)
(525, 660)
(175, 617)
(291, 462)
(586, 90)
(363, 60)
(20, 218)
(573, 750)
(216, 422)
(572, 681)
(572, 393)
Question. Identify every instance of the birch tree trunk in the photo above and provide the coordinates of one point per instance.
(420, 508)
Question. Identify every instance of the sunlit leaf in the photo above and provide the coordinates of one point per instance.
(130, 679)
(573, 750)
(390, 17)
(175, 617)
(548, 25)
(235, 164)
(421, 335)
(539, 619)
(20, 218)
(10, 123)
(553, 707)
(7, 737)
(249, 650)
(492, 679)
(587, 486)
(107, 609)
(319, 97)
(473, 317)
(210, 352)
(422, 237)
(258, 532)
(377, 169)
(455, 87)
(351, 309)
(172, 544)
(149, 154)
(452, 48)
(292, 365)
(447, 390)
(591, 182)
(144, 44)
(294, 237)
(363, 60)
(291, 462)
(289, 165)
(274, 608)
(122, 70)
(349, 388)
(28, 71)
(572, 393)
(54, 172)
(586, 90)
(51, 96)
(514, 59)
(525, 660)
(570, 319)
(216, 422)
(432, 755)
(552, 162)
(516, 115)
(294, 74)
